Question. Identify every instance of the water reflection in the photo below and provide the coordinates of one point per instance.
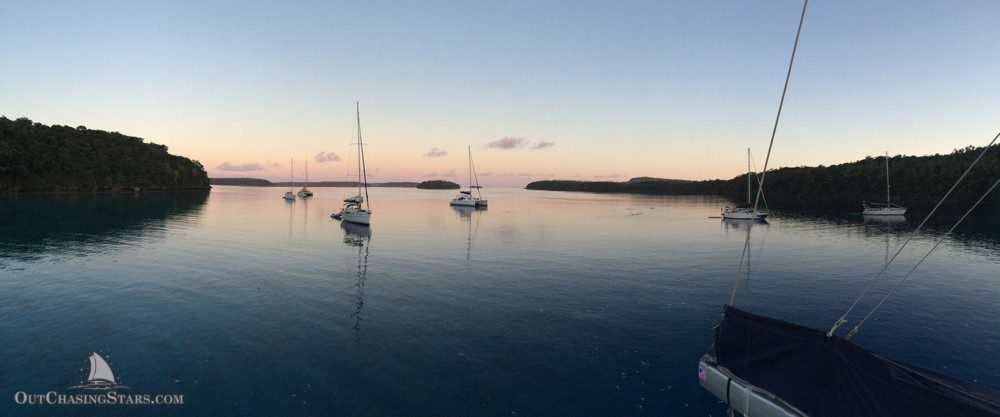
(473, 214)
(360, 237)
(35, 226)
(746, 225)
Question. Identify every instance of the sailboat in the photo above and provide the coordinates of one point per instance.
(764, 366)
(100, 376)
(465, 198)
(289, 195)
(353, 212)
(887, 208)
(305, 192)
(747, 212)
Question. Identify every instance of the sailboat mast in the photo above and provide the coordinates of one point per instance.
(362, 169)
(887, 178)
(470, 168)
(748, 177)
(291, 174)
(474, 175)
(306, 184)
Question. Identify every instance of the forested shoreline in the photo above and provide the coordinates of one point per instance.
(914, 178)
(38, 158)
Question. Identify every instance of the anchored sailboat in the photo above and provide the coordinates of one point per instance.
(305, 192)
(465, 198)
(747, 212)
(289, 195)
(886, 209)
(100, 376)
(352, 211)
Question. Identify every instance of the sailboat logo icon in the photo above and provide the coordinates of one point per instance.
(100, 376)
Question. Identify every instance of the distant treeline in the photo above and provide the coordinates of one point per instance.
(248, 182)
(914, 178)
(259, 182)
(438, 185)
(36, 157)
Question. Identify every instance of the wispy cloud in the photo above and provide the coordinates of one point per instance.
(507, 142)
(246, 166)
(436, 153)
(450, 174)
(326, 157)
(542, 145)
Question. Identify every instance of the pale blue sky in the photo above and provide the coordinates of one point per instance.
(669, 89)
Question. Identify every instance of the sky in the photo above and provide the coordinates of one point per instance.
(538, 90)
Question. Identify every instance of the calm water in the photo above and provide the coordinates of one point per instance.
(547, 303)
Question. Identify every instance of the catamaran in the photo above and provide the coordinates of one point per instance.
(763, 366)
(887, 208)
(465, 198)
(289, 195)
(305, 192)
(747, 212)
(353, 212)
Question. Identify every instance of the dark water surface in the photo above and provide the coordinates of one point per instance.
(547, 303)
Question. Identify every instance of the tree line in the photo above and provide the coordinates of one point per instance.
(913, 178)
(37, 157)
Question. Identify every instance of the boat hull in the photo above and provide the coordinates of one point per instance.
(892, 211)
(357, 217)
(743, 215)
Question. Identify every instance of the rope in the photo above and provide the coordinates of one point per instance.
(774, 131)
(893, 290)
(843, 317)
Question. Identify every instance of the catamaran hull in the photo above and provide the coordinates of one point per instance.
(469, 203)
(357, 218)
(744, 216)
(895, 211)
(741, 395)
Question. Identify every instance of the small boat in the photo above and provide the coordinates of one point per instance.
(289, 195)
(305, 192)
(887, 208)
(465, 198)
(747, 212)
(353, 211)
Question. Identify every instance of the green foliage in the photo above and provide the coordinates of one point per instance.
(36, 157)
(914, 178)
(438, 185)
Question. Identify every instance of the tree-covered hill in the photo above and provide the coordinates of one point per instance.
(914, 178)
(438, 185)
(36, 157)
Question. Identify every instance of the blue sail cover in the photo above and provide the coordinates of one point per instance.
(824, 376)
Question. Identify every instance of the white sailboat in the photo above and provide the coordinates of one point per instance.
(465, 198)
(744, 212)
(100, 376)
(352, 211)
(289, 195)
(887, 208)
(305, 192)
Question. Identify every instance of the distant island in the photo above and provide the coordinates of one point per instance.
(260, 182)
(246, 182)
(39, 158)
(438, 185)
(914, 178)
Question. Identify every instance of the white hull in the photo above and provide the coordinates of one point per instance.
(357, 217)
(892, 211)
(744, 215)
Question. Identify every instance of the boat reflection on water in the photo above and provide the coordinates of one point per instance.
(746, 224)
(359, 236)
(468, 212)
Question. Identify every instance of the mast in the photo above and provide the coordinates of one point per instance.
(474, 175)
(291, 175)
(887, 178)
(306, 184)
(362, 170)
(748, 177)
(470, 169)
